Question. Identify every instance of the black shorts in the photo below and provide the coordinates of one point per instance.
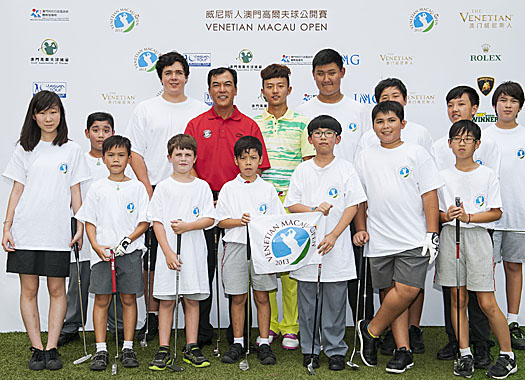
(40, 263)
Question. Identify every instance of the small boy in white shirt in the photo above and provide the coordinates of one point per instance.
(181, 205)
(330, 185)
(114, 214)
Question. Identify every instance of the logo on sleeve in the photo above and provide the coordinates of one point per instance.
(206, 134)
(478, 161)
(479, 201)
(404, 171)
(520, 153)
(333, 192)
(195, 211)
(263, 208)
(130, 207)
(62, 168)
(352, 127)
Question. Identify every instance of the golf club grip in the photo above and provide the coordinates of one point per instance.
(73, 233)
(458, 204)
(179, 243)
(248, 247)
(113, 278)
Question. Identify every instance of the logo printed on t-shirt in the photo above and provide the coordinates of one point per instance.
(478, 161)
(333, 192)
(263, 207)
(352, 127)
(404, 171)
(130, 207)
(62, 167)
(195, 211)
(520, 153)
(480, 200)
(206, 133)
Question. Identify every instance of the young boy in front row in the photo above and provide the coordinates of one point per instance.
(181, 205)
(400, 222)
(330, 185)
(477, 187)
(239, 199)
(114, 214)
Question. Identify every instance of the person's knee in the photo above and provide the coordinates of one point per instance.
(128, 300)
(487, 304)
(239, 299)
(406, 291)
(102, 301)
(261, 298)
(513, 268)
(56, 290)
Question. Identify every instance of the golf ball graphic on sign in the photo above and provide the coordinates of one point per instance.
(291, 241)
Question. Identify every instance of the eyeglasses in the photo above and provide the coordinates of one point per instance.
(466, 140)
(327, 134)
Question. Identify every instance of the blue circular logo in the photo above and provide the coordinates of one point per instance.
(290, 240)
(263, 207)
(130, 207)
(480, 201)
(478, 161)
(424, 21)
(62, 168)
(196, 212)
(404, 172)
(147, 60)
(352, 127)
(333, 192)
(124, 21)
(520, 153)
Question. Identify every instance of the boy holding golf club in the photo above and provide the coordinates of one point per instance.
(471, 257)
(330, 185)
(181, 207)
(114, 214)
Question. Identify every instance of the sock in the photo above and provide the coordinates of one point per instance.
(465, 351)
(372, 335)
(128, 344)
(102, 347)
(512, 318)
(264, 341)
(510, 354)
(239, 340)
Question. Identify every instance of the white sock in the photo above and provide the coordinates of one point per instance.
(264, 341)
(512, 318)
(128, 344)
(465, 351)
(102, 347)
(239, 340)
(510, 354)
(154, 312)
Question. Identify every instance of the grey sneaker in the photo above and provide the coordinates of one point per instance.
(128, 357)
(465, 366)
(99, 361)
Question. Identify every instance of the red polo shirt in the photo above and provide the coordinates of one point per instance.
(215, 140)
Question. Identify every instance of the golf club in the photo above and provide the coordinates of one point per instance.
(216, 351)
(173, 366)
(244, 363)
(350, 362)
(311, 364)
(144, 342)
(458, 204)
(86, 356)
(114, 285)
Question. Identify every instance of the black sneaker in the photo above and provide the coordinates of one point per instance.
(387, 344)
(38, 360)
(401, 361)
(194, 356)
(99, 361)
(482, 357)
(307, 358)
(416, 340)
(336, 363)
(65, 338)
(161, 360)
(153, 328)
(265, 355)
(53, 361)
(448, 352)
(128, 357)
(233, 354)
(503, 367)
(517, 336)
(368, 349)
(465, 367)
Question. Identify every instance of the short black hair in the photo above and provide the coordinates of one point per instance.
(169, 59)
(386, 107)
(116, 141)
(457, 92)
(327, 56)
(276, 70)
(324, 121)
(464, 126)
(100, 116)
(512, 89)
(390, 82)
(245, 143)
(182, 141)
(219, 71)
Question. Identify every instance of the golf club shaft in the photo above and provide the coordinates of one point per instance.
(458, 204)
(316, 306)
(114, 286)
(177, 279)
(148, 272)
(216, 233)
(249, 257)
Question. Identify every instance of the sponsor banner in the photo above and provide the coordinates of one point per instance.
(485, 57)
(124, 20)
(146, 59)
(60, 88)
(198, 59)
(57, 15)
(480, 19)
(423, 20)
(485, 84)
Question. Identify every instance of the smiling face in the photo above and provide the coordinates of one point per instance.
(116, 159)
(222, 90)
(174, 80)
(275, 91)
(387, 127)
(461, 108)
(328, 79)
(98, 132)
(48, 120)
(182, 160)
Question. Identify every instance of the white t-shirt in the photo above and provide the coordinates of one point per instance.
(42, 219)
(511, 144)
(487, 154)
(174, 200)
(412, 133)
(115, 209)
(394, 181)
(478, 190)
(237, 197)
(152, 124)
(353, 117)
(337, 184)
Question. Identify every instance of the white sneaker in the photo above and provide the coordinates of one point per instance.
(271, 337)
(290, 341)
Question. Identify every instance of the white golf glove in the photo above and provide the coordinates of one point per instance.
(120, 248)
(431, 245)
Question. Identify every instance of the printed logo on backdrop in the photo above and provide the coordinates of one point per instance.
(478, 19)
(365, 98)
(48, 48)
(244, 57)
(57, 15)
(198, 59)
(115, 98)
(483, 117)
(485, 57)
(420, 98)
(300, 60)
(59, 88)
(266, 20)
(146, 59)
(124, 20)
(208, 99)
(308, 97)
(485, 84)
(423, 20)
(396, 59)
(261, 103)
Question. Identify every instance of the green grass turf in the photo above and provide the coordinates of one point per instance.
(14, 357)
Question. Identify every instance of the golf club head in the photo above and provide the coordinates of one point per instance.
(175, 368)
(82, 359)
(216, 352)
(352, 365)
(243, 365)
(310, 367)
(144, 343)
(114, 369)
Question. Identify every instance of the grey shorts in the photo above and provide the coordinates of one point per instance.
(476, 261)
(408, 268)
(234, 269)
(193, 297)
(128, 270)
(510, 246)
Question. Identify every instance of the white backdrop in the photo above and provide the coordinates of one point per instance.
(96, 60)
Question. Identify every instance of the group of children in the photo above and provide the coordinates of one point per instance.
(396, 193)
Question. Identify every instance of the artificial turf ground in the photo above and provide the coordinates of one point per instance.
(15, 354)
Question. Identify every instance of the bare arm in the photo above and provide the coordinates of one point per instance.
(139, 167)
(91, 232)
(141, 228)
(76, 202)
(179, 227)
(170, 256)
(329, 240)
(232, 223)
(361, 236)
(431, 207)
(7, 239)
(455, 212)
(323, 207)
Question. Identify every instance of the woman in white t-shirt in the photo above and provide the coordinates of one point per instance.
(46, 169)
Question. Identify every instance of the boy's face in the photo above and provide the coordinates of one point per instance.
(324, 140)
(463, 145)
(276, 90)
(328, 78)
(116, 159)
(222, 89)
(461, 109)
(173, 79)
(248, 162)
(182, 160)
(387, 127)
(98, 132)
(507, 108)
(394, 94)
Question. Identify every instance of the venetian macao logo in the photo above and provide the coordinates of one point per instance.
(478, 161)
(130, 207)
(404, 172)
(423, 20)
(291, 241)
(62, 167)
(49, 46)
(124, 20)
(479, 201)
(352, 127)
(333, 192)
(520, 153)
(196, 211)
(263, 208)
(146, 59)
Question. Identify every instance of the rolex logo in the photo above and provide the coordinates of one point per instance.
(485, 47)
